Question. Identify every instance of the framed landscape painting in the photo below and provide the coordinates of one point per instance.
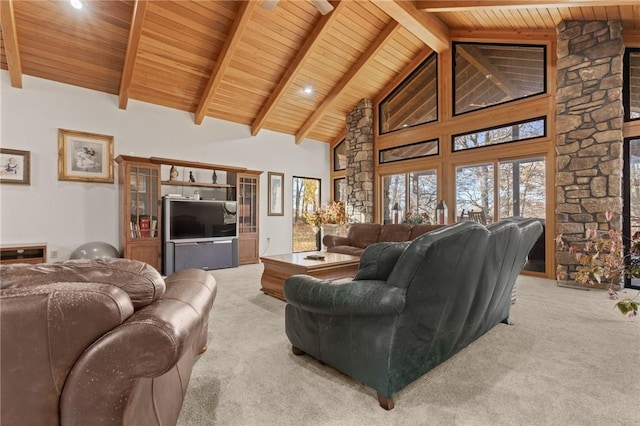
(85, 157)
(276, 194)
(15, 166)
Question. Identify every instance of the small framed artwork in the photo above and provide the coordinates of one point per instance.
(15, 166)
(276, 194)
(85, 157)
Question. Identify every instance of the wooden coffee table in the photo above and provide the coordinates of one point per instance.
(279, 267)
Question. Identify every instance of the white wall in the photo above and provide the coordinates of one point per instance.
(67, 214)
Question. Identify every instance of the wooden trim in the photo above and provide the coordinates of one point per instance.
(314, 39)
(133, 44)
(426, 26)
(364, 59)
(196, 165)
(224, 59)
(10, 41)
(469, 5)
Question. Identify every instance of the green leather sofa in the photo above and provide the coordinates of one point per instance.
(411, 305)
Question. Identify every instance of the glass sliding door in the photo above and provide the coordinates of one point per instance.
(306, 200)
(522, 188)
(631, 212)
(475, 190)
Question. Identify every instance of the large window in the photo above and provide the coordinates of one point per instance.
(412, 193)
(474, 190)
(492, 74)
(415, 101)
(306, 199)
(512, 132)
(340, 157)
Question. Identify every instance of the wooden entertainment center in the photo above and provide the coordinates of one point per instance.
(142, 183)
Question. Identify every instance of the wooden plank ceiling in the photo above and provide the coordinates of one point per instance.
(240, 62)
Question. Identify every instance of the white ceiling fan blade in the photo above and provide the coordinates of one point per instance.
(323, 6)
(269, 4)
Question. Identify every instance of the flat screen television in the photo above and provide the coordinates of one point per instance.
(198, 220)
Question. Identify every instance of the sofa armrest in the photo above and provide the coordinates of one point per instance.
(43, 331)
(364, 297)
(148, 344)
(378, 260)
(335, 240)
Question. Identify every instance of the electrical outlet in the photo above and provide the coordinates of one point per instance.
(54, 254)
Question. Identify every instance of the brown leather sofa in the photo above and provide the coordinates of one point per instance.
(361, 235)
(99, 342)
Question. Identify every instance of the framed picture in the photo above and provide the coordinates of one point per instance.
(85, 157)
(276, 194)
(15, 166)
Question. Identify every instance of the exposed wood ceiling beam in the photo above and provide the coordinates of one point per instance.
(362, 62)
(486, 68)
(135, 32)
(321, 28)
(462, 5)
(10, 39)
(426, 26)
(224, 59)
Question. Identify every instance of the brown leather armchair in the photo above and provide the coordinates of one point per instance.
(99, 342)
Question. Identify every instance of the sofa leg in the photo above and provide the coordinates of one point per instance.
(202, 350)
(297, 351)
(386, 402)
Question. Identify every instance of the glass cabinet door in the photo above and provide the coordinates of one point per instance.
(143, 202)
(247, 202)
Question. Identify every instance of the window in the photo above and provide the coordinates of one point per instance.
(406, 152)
(340, 157)
(414, 101)
(511, 132)
(306, 199)
(631, 95)
(409, 193)
(492, 74)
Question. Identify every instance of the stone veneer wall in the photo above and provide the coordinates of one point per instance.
(589, 136)
(359, 173)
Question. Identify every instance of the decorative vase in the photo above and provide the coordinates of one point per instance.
(214, 178)
(173, 173)
(328, 229)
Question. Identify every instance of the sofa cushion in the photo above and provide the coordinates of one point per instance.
(364, 234)
(418, 230)
(395, 232)
(350, 250)
(139, 280)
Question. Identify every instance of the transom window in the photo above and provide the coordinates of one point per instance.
(492, 74)
(406, 152)
(512, 132)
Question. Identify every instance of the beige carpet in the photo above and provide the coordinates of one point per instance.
(570, 359)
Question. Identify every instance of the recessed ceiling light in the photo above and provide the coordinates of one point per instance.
(77, 4)
(308, 90)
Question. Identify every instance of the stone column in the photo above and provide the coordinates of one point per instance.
(359, 173)
(589, 140)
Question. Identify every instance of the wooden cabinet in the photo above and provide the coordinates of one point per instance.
(248, 213)
(140, 210)
(23, 253)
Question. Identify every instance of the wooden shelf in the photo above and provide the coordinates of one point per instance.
(196, 184)
(195, 164)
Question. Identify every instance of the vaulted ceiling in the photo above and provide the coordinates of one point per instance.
(238, 61)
